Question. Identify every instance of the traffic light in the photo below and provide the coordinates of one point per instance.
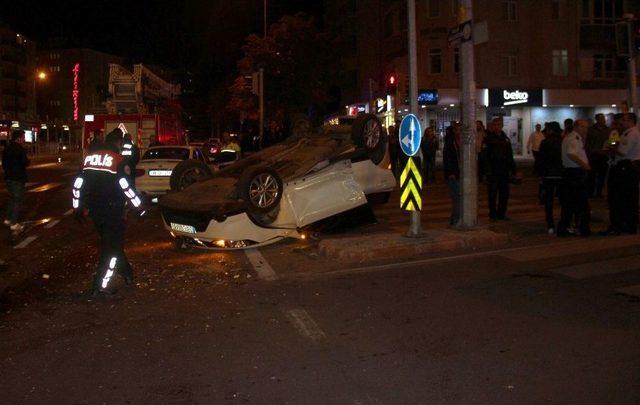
(392, 84)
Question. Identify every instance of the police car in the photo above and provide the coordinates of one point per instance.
(153, 172)
(283, 190)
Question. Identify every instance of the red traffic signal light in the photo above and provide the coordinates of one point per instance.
(392, 84)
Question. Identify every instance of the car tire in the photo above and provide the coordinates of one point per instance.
(261, 189)
(188, 172)
(368, 133)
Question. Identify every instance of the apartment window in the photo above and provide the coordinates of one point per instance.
(54, 68)
(555, 10)
(456, 60)
(560, 62)
(510, 11)
(433, 8)
(435, 61)
(391, 24)
(512, 65)
(603, 66)
(601, 12)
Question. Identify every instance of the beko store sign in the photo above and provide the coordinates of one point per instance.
(515, 97)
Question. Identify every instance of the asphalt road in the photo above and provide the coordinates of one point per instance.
(543, 320)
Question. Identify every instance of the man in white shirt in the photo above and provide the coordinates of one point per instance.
(623, 179)
(533, 146)
(575, 201)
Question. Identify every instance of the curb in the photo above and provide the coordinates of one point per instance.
(380, 246)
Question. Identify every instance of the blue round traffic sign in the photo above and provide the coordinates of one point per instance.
(410, 135)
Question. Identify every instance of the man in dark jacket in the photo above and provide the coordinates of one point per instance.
(499, 166)
(597, 138)
(550, 166)
(429, 148)
(450, 161)
(14, 163)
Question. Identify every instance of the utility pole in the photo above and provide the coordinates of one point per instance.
(469, 168)
(633, 85)
(415, 225)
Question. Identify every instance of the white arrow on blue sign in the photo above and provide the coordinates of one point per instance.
(410, 135)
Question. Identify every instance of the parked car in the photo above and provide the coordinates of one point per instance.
(280, 191)
(153, 173)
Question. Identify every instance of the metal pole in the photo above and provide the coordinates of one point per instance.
(414, 226)
(633, 91)
(261, 80)
(468, 172)
(265, 18)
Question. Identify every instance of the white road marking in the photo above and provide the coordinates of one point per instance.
(46, 187)
(51, 224)
(25, 242)
(633, 290)
(599, 268)
(260, 265)
(68, 212)
(305, 325)
(43, 165)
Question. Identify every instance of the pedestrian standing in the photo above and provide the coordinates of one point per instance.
(429, 148)
(102, 188)
(480, 135)
(450, 162)
(394, 148)
(499, 166)
(568, 127)
(533, 147)
(550, 157)
(575, 164)
(95, 141)
(14, 163)
(597, 138)
(623, 179)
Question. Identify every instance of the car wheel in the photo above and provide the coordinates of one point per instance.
(368, 133)
(261, 189)
(188, 172)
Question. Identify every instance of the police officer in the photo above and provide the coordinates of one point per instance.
(102, 188)
(575, 192)
(131, 155)
(623, 179)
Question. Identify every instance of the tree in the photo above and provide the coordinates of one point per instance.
(298, 65)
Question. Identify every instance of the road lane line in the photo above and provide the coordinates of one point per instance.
(68, 212)
(25, 242)
(599, 268)
(305, 325)
(52, 224)
(633, 290)
(260, 265)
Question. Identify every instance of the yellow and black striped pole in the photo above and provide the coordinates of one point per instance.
(411, 186)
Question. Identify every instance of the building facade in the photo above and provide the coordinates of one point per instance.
(561, 53)
(17, 76)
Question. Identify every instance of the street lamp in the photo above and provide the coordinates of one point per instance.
(39, 75)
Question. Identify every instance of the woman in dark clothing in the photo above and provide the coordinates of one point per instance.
(450, 156)
(551, 169)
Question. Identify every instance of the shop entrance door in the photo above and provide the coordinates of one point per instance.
(513, 129)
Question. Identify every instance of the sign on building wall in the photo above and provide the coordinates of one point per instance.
(515, 97)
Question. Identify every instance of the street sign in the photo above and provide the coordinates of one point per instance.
(411, 187)
(461, 33)
(410, 135)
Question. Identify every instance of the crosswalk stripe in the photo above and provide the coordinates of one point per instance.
(600, 268)
(52, 224)
(25, 242)
(45, 187)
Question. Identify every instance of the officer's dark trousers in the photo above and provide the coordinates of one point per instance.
(110, 226)
(551, 189)
(575, 201)
(597, 174)
(622, 195)
(498, 188)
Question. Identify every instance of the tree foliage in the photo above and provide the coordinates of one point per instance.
(298, 66)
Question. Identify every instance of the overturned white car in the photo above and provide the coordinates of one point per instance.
(281, 191)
